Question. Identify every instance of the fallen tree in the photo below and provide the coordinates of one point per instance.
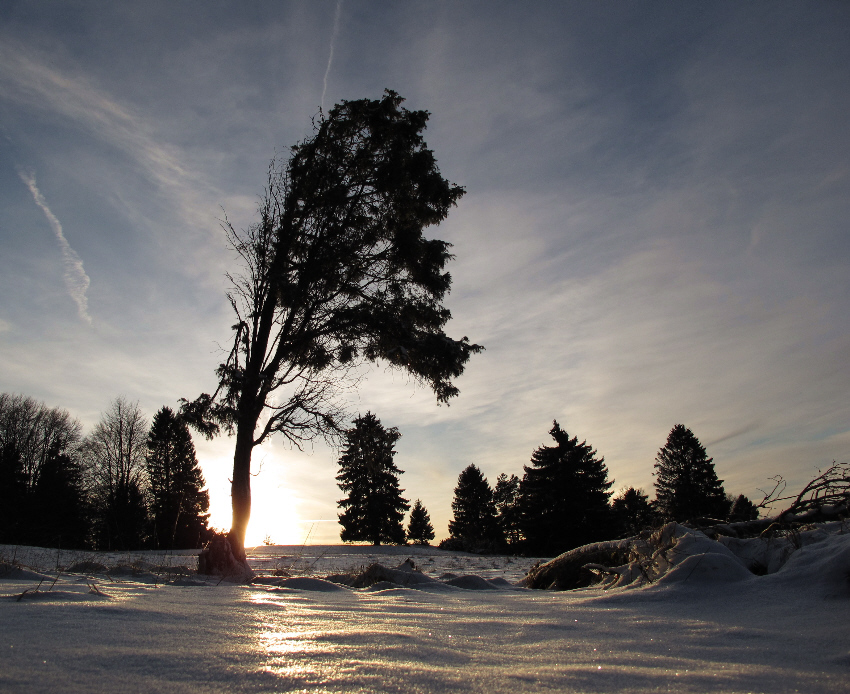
(646, 557)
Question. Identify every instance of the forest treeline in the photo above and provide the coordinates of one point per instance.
(129, 484)
(562, 501)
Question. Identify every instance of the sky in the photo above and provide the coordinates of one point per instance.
(654, 231)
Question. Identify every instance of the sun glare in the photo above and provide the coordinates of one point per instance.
(274, 508)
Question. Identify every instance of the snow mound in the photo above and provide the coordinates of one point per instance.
(709, 567)
(405, 574)
(471, 583)
(313, 584)
(18, 573)
(820, 567)
(87, 567)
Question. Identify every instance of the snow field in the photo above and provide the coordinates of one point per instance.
(708, 629)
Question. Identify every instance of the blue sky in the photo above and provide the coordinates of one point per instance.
(655, 229)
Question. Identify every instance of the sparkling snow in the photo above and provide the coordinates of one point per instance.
(706, 627)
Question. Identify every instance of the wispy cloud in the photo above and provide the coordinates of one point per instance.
(331, 54)
(76, 280)
(27, 78)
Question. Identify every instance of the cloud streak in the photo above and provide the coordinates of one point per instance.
(76, 280)
(331, 55)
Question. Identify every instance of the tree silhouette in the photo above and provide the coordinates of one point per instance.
(41, 496)
(336, 273)
(178, 500)
(742, 509)
(474, 526)
(633, 512)
(374, 508)
(564, 496)
(686, 484)
(114, 455)
(419, 528)
(506, 500)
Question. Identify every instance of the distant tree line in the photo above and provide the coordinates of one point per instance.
(126, 485)
(562, 501)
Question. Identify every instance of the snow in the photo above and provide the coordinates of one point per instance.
(707, 625)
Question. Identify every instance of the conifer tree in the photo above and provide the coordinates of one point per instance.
(506, 500)
(474, 527)
(419, 528)
(686, 484)
(178, 501)
(742, 509)
(633, 512)
(60, 510)
(564, 496)
(374, 508)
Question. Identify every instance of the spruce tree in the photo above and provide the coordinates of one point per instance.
(178, 501)
(373, 508)
(686, 485)
(564, 496)
(506, 500)
(474, 527)
(60, 510)
(742, 509)
(633, 512)
(419, 528)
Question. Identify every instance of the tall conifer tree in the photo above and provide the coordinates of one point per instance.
(564, 496)
(179, 502)
(374, 508)
(474, 525)
(686, 484)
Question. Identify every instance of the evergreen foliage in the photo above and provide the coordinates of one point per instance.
(60, 509)
(742, 509)
(564, 496)
(337, 274)
(42, 495)
(179, 504)
(474, 527)
(373, 508)
(686, 484)
(506, 500)
(419, 528)
(632, 512)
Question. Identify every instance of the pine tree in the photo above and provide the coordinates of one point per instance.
(564, 496)
(686, 485)
(742, 509)
(419, 528)
(374, 508)
(474, 527)
(633, 512)
(178, 501)
(60, 509)
(506, 500)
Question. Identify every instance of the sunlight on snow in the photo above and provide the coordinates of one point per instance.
(274, 507)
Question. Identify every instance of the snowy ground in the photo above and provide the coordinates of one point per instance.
(704, 630)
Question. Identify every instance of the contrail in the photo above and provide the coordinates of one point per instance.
(331, 56)
(76, 280)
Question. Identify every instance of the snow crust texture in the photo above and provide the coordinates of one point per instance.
(704, 627)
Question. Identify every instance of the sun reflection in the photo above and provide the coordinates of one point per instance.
(287, 633)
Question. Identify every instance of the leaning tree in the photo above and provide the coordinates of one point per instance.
(337, 273)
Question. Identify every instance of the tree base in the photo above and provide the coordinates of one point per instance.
(218, 559)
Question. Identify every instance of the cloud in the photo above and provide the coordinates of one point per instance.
(76, 280)
(331, 55)
(28, 79)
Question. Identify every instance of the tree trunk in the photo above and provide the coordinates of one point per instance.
(240, 490)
